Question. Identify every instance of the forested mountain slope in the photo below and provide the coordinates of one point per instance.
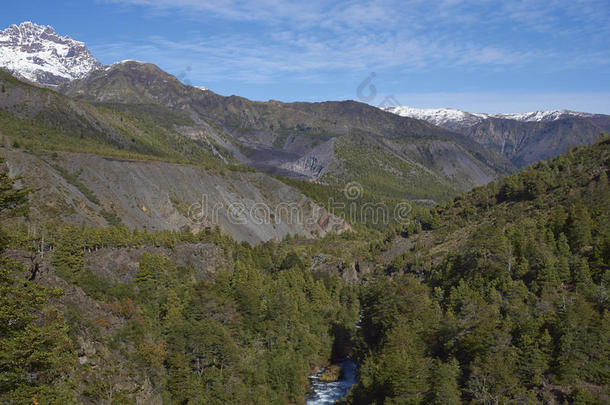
(503, 297)
(109, 315)
(163, 244)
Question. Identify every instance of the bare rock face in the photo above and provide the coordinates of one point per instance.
(351, 272)
(38, 54)
(527, 142)
(250, 207)
(313, 164)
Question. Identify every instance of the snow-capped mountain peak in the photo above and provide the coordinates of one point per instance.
(37, 53)
(451, 118)
(444, 117)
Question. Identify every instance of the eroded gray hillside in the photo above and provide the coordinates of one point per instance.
(251, 207)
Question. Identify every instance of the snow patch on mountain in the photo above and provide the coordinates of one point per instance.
(444, 117)
(543, 116)
(37, 53)
(451, 117)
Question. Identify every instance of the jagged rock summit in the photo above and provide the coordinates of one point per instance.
(37, 53)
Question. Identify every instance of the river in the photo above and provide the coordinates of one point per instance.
(326, 393)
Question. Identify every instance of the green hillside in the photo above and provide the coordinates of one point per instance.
(247, 327)
(501, 297)
(498, 295)
(503, 300)
(37, 119)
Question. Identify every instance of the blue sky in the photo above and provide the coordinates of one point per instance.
(479, 55)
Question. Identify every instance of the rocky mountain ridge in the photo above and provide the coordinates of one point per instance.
(292, 139)
(524, 138)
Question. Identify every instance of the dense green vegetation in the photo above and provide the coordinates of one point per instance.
(384, 173)
(35, 352)
(36, 136)
(504, 301)
(498, 296)
(502, 297)
(251, 333)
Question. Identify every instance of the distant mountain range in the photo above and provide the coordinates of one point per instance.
(523, 138)
(323, 141)
(454, 118)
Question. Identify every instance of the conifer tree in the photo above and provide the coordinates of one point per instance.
(564, 254)
(444, 388)
(36, 355)
(582, 275)
(69, 250)
(578, 227)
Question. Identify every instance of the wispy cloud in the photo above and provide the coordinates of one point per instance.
(250, 59)
(266, 41)
(359, 15)
(297, 36)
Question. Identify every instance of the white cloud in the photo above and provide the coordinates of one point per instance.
(360, 34)
(316, 40)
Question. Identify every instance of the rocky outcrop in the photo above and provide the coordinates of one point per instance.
(122, 264)
(527, 142)
(313, 164)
